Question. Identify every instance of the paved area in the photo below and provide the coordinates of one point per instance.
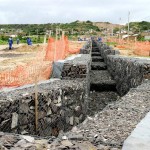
(140, 137)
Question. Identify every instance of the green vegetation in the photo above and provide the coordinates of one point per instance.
(73, 30)
(139, 26)
(2, 42)
(41, 29)
(35, 39)
(37, 31)
(111, 43)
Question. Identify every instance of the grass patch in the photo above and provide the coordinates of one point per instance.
(111, 43)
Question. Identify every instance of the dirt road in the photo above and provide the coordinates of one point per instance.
(4, 47)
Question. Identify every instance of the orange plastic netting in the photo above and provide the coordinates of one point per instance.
(41, 67)
(139, 48)
(59, 49)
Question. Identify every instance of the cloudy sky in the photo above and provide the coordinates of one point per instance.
(50, 11)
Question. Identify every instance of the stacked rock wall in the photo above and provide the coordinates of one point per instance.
(128, 72)
(60, 106)
(86, 49)
(77, 68)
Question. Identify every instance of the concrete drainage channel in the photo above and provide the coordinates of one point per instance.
(82, 109)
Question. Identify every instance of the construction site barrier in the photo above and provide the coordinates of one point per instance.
(41, 67)
(141, 48)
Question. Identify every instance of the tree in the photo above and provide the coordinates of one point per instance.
(116, 29)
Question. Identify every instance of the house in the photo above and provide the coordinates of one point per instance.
(147, 37)
(12, 35)
(130, 37)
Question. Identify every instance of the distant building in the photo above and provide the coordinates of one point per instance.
(2, 29)
(19, 31)
(145, 33)
(147, 37)
(130, 37)
(13, 35)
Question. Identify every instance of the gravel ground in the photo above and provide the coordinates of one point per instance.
(99, 100)
(117, 120)
(107, 129)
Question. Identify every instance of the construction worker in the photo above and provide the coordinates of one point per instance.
(29, 42)
(10, 42)
(99, 39)
(18, 41)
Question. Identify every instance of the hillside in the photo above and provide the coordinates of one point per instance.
(76, 27)
(139, 26)
(104, 25)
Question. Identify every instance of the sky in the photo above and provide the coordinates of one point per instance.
(65, 11)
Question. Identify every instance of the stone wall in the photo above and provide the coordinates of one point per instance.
(78, 67)
(60, 106)
(106, 50)
(128, 72)
(86, 49)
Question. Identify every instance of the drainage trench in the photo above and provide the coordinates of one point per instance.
(102, 86)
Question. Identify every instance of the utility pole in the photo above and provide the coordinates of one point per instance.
(112, 31)
(119, 29)
(139, 31)
(55, 43)
(37, 36)
(128, 24)
(50, 33)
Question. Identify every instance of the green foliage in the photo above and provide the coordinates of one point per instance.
(116, 29)
(140, 38)
(111, 43)
(37, 31)
(2, 42)
(40, 29)
(139, 26)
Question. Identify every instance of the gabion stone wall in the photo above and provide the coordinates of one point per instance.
(79, 67)
(128, 72)
(60, 106)
(86, 49)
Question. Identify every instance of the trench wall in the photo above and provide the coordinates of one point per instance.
(60, 106)
(129, 72)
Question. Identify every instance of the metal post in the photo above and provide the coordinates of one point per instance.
(128, 25)
(36, 106)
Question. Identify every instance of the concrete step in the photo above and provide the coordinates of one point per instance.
(98, 66)
(95, 49)
(94, 44)
(96, 54)
(97, 59)
(102, 81)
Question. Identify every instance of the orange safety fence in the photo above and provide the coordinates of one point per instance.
(141, 48)
(59, 49)
(41, 66)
